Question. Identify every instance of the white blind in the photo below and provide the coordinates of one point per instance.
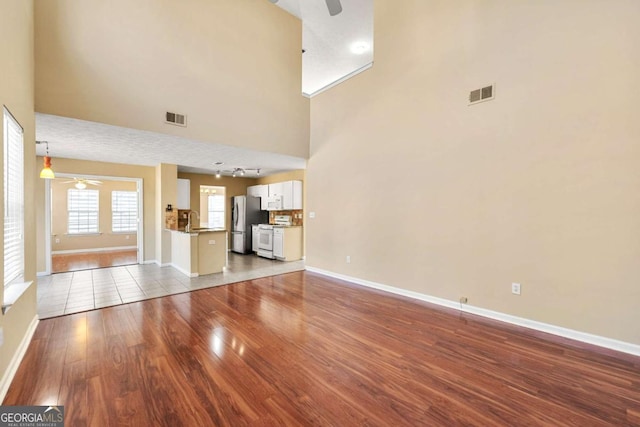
(215, 214)
(124, 211)
(13, 200)
(82, 209)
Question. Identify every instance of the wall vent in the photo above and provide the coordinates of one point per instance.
(486, 93)
(176, 119)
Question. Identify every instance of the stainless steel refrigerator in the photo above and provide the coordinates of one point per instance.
(245, 210)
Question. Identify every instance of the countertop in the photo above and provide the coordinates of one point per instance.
(197, 230)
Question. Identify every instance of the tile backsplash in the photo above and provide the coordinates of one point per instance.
(297, 216)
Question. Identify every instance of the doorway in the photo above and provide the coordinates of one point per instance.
(92, 221)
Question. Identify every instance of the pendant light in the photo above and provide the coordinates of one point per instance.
(46, 172)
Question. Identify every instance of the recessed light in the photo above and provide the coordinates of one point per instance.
(359, 47)
(219, 163)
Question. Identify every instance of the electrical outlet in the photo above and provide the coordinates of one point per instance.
(1, 337)
(515, 288)
(312, 214)
(127, 237)
(463, 300)
(212, 242)
(348, 259)
(57, 240)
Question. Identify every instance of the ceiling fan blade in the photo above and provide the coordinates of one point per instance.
(334, 7)
(92, 182)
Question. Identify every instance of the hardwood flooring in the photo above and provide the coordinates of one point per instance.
(87, 260)
(304, 349)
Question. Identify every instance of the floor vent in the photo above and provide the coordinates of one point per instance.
(176, 119)
(486, 93)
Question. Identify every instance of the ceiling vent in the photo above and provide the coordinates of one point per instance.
(486, 93)
(176, 119)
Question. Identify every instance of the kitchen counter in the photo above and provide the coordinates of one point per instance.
(201, 251)
(197, 230)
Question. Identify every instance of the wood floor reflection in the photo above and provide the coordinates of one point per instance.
(61, 263)
(303, 349)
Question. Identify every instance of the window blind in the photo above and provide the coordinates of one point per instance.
(124, 211)
(82, 209)
(215, 214)
(13, 199)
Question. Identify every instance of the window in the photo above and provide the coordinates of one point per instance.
(82, 211)
(124, 211)
(215, 216)
(13, 200)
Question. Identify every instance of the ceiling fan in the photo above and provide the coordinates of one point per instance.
(334, 6)
(81, 183)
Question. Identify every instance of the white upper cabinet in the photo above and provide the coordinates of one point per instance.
(184, 194)
(291, 193)
(261, 191)
(276, 189)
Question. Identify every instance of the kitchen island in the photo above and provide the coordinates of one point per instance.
(199, 252)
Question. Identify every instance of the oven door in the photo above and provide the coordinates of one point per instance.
(265, 239)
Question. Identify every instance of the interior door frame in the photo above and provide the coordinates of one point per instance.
(47, 213)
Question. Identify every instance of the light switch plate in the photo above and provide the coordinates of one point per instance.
(212, 242)
(312, 214)
(1, 337)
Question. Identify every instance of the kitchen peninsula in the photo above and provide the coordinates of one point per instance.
(201, 251)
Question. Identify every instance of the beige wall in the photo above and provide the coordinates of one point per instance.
(233, 66)
(233, 187)
(62, 241)
(83, 167)
(166, 194)
(16, 93)
(538, 186)
(296, 175)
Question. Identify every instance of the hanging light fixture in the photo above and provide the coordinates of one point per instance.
(80, 185)
(46, 172)
(218, 174)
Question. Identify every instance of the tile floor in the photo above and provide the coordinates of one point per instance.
(74, 292)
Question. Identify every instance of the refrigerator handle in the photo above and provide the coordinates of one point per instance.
(236, 218)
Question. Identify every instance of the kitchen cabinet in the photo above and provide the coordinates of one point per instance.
(261, 191)
(254, 237)
(184, 194)
(287, 243)
(276, 189)
(291, 193)
(278, 242)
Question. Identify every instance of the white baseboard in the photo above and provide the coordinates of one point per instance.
(81, 251)
(5, 382)
(600, 341)
(150, 261)
(42, 273)
(183, 271)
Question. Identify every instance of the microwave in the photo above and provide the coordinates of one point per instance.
(274, 203)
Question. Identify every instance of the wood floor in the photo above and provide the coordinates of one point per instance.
(303, 349)
(61, 263)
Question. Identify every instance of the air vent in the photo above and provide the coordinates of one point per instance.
(176, 119)
(483, 94)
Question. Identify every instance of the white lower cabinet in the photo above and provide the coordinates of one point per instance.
(278, 242)
(287, 243)
(254, 238)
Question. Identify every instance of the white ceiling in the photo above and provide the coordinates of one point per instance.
(328, 58)
(327, 40)
(79, 139)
